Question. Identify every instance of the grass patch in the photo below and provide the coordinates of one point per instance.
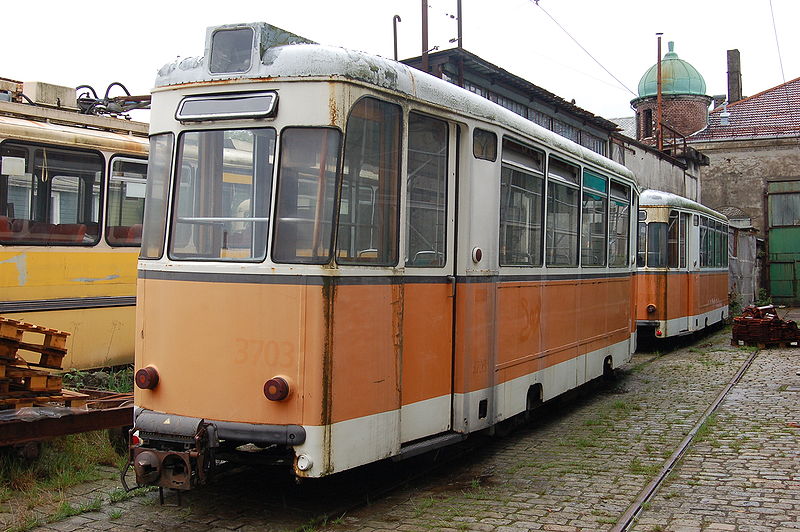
(118, 379)
(706, 429)
(63, 462)
(638, 468)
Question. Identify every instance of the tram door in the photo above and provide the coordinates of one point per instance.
(429, 288)
(678, 280)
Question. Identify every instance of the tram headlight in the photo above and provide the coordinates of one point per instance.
(146, 378)
(276, 389)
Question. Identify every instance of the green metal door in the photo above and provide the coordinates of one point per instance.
(784, 242)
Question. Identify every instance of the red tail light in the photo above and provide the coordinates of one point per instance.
(659, 333)
(146, 378)
(276, 389)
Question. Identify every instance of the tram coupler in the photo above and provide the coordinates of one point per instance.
(168, 459)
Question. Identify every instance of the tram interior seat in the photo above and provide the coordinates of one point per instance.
(21, 229)
(126, 234)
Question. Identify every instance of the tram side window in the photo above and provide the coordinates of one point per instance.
(49, 196)
(657, 245)
(307, 181)
(426, 227)
(126, 191)
(619, 225)
(562, 213)
(593, 219)
(641, 254)
(703, 242)
(221, 206)
(521, 206)
(159, 168)
(684, 224)
(369, 209)
(723, 245)
(484, 145)
(673, 248)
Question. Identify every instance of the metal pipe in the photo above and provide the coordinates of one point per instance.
(395, 20)
(460, 35)
(659, 131)
(425, 36)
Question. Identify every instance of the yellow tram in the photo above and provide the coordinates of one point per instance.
(346, 259)
(72, 190)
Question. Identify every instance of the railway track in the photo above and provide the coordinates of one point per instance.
(628, 519)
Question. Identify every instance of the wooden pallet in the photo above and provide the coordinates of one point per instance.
(18, 335)
(22, 385)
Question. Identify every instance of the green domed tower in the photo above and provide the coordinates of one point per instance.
(683, 93)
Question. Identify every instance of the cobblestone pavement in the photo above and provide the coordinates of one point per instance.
(577, 467)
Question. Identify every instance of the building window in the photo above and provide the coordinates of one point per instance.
(647, 123)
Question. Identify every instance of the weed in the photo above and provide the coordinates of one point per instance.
(657, 528)
(703, 433)
(638, 468)
(115, 514)
(113, 379)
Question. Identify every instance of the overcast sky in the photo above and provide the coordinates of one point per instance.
(96, 44)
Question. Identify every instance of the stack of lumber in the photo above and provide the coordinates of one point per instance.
(24, 383)
(761, 326)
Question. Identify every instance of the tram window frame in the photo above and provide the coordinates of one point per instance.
(682, 240)
(562, 176)
(160, 161)
(218, 236)
(641, 244)
(288, 244)
(589, 240)
(703, 241)
(383, 230)
(522, 236)
(81, 169)
(619, 209)
(426, 191)
(673, 239)
(657, 244)
(484, 144)
(124, 235)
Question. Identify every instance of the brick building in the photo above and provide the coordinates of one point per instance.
(753, 145)
(684, 100)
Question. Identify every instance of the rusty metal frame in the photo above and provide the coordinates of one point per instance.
(16, 432)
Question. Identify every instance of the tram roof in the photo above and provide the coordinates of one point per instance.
(659, 198)
(314, 61)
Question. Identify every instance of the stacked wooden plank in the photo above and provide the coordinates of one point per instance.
(761, 326)
(24, 383)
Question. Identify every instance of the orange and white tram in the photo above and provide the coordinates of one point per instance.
(682, 278)
(345, 259)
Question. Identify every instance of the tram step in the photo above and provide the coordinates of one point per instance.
(430, 444)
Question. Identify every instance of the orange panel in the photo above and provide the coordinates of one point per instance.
(427, 342)
(216, 344)
(365, 350)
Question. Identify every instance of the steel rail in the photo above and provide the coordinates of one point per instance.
(632, 513)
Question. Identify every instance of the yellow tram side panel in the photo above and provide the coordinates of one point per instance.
(40, 275)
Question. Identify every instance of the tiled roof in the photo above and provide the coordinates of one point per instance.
(769, 114)
(627, 124)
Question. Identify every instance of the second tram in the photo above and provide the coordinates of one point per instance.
(346, 259)
(682, 278)
(72, 192)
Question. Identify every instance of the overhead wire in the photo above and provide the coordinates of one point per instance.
(536, 2)
(780, 62)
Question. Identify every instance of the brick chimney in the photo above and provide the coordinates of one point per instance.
(734, 76)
